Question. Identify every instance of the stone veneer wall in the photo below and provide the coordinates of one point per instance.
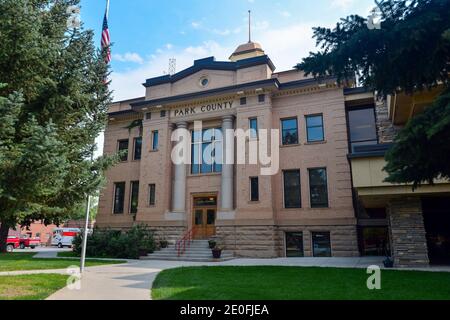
(386, 130)
(269, 241)
(408, 236)
(171, 234)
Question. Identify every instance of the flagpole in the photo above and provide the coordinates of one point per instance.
(107, 8)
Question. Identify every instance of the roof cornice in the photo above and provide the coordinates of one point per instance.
(210, 64)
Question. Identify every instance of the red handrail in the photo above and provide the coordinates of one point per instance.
(180, 246)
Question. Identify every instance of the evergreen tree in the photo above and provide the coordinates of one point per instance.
(53, 104)
(409, 53)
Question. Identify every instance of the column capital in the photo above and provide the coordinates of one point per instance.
(228, 118)
(182, 125)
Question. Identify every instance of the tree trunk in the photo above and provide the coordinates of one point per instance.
(4, 230)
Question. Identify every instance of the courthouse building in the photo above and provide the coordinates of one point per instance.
(326, 199)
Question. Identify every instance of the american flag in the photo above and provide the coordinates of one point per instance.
(106, 41)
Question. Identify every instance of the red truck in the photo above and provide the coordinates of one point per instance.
(12, 243)
(27, 242)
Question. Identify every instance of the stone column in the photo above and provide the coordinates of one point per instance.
(179, 183)
(407, 230)
(227, 191)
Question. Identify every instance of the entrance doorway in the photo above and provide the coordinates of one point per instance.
(204, 216)
(436, 212)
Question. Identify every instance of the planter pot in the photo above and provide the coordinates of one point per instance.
(388, 263)
(217, 254)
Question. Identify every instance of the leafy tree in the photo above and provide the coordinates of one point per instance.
(53, 104)
(409, 53)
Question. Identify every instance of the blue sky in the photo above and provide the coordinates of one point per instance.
(146, 33)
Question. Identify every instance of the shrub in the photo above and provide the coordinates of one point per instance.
(116, 244)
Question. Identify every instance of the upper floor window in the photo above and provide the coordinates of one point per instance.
(314, 128)
(292, 192)
(119, 197)
(254, 189)
(134, 199)
(289, 128)
(152, 194)
(163, 114)
(261, 98)
(123, 150)
(362, 127)
(253, 124)
(318, 187)
(243, 101)
(207, 151)
(155, 140)
(137, 148)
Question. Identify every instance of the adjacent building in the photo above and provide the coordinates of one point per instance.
(328, 197)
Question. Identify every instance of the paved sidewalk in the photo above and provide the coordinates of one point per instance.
(133, 281)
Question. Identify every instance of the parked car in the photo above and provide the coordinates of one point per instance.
(12, 243)
(27, 242)
(63, 237)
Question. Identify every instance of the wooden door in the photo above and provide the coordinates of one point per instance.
(204, 223)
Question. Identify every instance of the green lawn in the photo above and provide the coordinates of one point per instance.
(25, 261)
(295, 283)
(30, 287)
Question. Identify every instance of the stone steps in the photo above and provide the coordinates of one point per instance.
(197, 251)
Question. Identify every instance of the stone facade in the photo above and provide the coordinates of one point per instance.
(387, 131)
(407, 230)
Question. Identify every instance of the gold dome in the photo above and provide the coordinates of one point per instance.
(247, 50)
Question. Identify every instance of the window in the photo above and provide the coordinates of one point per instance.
(294, 245)
(137, 148)
(321, 244)
(243, 101)
(134, 199)
(289, 129)
(152, 194)
(163, 114)
(123, 150)
(206, 151)
(261, 98)
(119, 197)
(254, 189)
(148, 116)
(362, 127)
(253, 124)
(314, 128)
(318, 188)
(374, 241)
(155, 140)
(292, 194)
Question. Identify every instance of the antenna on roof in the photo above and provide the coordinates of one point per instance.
(172, 66)
(249, 26)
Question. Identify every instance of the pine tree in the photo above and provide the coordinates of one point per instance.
(53, 104)
(409, 53)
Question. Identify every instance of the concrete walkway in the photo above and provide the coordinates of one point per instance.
(132, 281)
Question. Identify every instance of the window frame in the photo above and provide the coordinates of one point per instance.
(122, 211)
(349, 134)
(155, 147)
(128, 149)
(313, 233)
(200, 146)
(300, 206)
(318, 206)
(283, 130)
(251, 179)
(243, 101)
(316, 126)
(130, 209)
(255, 135)
(261, 98)
(152, 187)
(134, 149)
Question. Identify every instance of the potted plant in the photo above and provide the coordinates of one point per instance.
(163, 244)
(388, 262)
(217, 252)
(212, 244)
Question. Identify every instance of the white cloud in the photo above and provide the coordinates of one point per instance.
(285, 46)
(128, 57)
(342, 4)
(285, 14)
(196, 24)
